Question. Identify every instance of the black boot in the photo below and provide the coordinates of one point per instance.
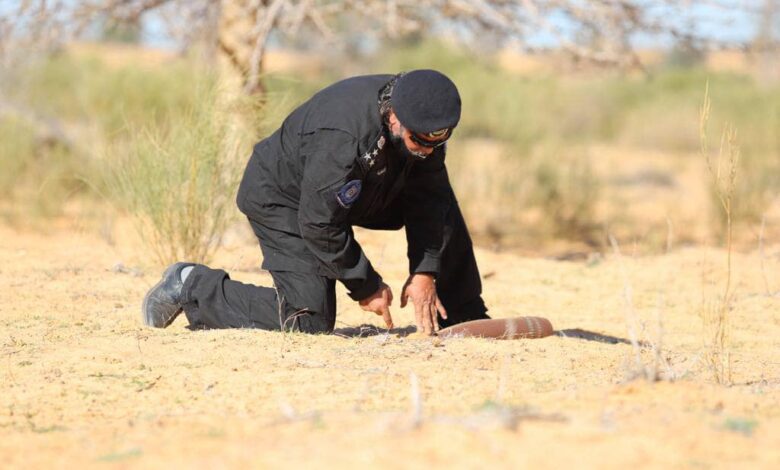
(162, 304)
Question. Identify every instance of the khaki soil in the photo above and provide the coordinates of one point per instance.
(82, 383)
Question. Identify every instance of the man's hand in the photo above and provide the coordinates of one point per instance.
(379, 302)
(421, 288)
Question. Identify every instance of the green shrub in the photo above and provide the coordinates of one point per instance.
(37, 174)
(151, 117)
(17, 150)
(90, 105)
(656, 112)
(86, 91)
(567, 190)
(178, 179)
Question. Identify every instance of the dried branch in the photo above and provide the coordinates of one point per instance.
(266, 18)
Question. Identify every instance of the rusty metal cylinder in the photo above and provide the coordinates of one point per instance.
(501, 328)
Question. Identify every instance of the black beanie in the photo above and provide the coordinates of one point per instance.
(426, 101)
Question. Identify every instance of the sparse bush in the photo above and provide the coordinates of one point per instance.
(178, 179)
(158, 141)
(89, 105)
(650, 127)
(716, 305)
(84, 92)
(545, 125)
(37, 175)
(551, 193)
(17, 149)
(567, 190)
(531, 113)
(684, 54)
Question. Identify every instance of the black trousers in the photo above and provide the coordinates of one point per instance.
(303, 300)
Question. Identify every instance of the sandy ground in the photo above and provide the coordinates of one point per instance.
(82, 383)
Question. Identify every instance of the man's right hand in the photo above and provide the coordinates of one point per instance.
(379, 302)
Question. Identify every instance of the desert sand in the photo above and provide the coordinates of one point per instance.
(84, 384)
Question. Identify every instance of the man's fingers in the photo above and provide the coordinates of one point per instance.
(388, 318)
(440, 308)
(434, 318)
(389, 296)
(426, 314)
(404, 298)
(418, 317)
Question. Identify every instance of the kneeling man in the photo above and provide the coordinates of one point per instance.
(367, 151)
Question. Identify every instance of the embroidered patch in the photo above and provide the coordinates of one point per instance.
(348, 194)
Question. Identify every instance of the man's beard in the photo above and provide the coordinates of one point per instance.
(398, 143)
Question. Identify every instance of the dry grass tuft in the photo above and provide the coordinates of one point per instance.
(178, 180)
(656, 367)
(715, 309)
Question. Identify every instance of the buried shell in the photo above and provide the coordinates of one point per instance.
(501, 328)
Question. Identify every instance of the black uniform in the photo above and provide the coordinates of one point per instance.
(330, 166)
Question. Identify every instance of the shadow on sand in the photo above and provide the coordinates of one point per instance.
(364, 331)
(593, 336)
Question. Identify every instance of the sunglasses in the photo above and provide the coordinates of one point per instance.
(422, 140)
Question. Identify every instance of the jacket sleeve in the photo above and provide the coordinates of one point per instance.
(427, 196)
(329, 165)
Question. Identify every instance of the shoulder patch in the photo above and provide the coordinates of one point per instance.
(348, 194)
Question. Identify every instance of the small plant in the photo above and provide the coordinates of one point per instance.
(715, 311)
(567, 190)
(17, 147)
(657, 367)
(37, 173)
(178, 179)
(744, 426)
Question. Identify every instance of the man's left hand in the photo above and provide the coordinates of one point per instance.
(421, 288)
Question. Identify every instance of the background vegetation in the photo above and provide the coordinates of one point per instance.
(163, 142)
(159, 142)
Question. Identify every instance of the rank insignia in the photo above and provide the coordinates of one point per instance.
(348, 194)
(369, 158)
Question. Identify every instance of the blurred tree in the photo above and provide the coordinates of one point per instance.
(684, 54)
(768, 25)
(126, 32)
(601, 31)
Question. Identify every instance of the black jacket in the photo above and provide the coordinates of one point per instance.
(331, 165)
